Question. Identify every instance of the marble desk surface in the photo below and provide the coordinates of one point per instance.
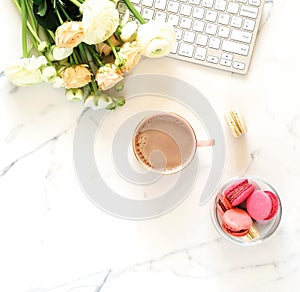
(54, 239)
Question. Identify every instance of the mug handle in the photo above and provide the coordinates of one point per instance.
(205, 143)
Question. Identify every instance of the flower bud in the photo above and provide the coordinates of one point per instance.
(129, 31)
(43, 46)
(49, 74)
(74, 94)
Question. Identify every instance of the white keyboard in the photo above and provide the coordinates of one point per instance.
(216, 33)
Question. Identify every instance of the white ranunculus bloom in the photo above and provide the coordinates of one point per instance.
(156, 39)
(25, 71)
(61, 53)
(100, 20)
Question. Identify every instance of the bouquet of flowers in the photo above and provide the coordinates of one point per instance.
(85, 46)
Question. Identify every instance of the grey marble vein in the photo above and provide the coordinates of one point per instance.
(103, 282)
(11, 135)
(6, 169)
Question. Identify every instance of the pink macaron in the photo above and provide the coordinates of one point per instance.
(239, 191)
(262, 205)
(236, 222)
(223, 205)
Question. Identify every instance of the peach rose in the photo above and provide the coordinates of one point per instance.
(76, 76)
(69, 34)
(108, 76)
(132, 53)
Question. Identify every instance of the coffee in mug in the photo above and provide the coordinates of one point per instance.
(164, 142)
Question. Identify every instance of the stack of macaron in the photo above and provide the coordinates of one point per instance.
(242, 206)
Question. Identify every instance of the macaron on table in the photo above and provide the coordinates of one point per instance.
(246, 210)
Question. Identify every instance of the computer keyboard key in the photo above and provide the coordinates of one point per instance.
(236, 21)
(254, 2)
(238, 65)
(223, 31)
(160, 16)
(186, 50)
(211, 15)
(173, 6)
(147, 3)
(198, 26)
(178, 33)
(198, 12)
(201, 39)
(160, 4)
(227, 56)
(242, 36)
(185, 10)
(220, 5)
(223, 18)
(234, 47)
(189, 36)
(173, 19)
(195, 2)
(207, 3)
(249, 24)
(233, 7)
(249, 11)
(200, 53)
(214, 43)
(212, 59)
(211, 29)
(148, 13)
(225, 62)
(185, 23)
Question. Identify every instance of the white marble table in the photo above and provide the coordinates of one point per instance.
(54, 239)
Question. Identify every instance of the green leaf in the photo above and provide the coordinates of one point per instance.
(47, 16)
(49, 20)
(42, 8)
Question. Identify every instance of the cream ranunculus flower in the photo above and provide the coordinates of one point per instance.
(156, 39)
(25, 71)
(100, 20)
(132, 53)
(69, 34)
(76, 76)
(108, 76)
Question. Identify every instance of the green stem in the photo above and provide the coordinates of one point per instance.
(76, 2)
(58, 15)
(95, 55)
(65, 13)
(137, 15)
(76, 56)
(94, 85)
(32, 30)
(24, 28)
(83, 54)
(113, 49)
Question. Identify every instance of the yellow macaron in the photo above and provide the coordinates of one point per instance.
(234, 121)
